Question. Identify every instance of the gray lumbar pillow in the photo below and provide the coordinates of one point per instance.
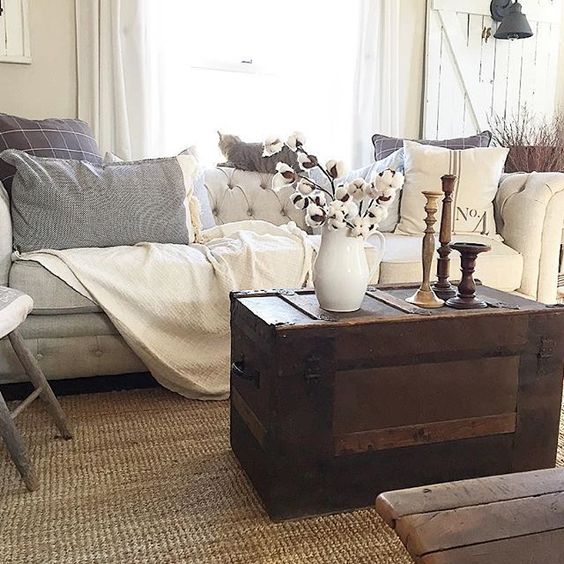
(63, 204)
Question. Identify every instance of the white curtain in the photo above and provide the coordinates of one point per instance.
(117, 79)
(377, 79)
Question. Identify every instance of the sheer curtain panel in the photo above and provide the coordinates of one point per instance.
(377, 80)
(117, 74)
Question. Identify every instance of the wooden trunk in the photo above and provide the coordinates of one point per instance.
(329, 410)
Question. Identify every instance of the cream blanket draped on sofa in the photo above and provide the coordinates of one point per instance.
(171, 302)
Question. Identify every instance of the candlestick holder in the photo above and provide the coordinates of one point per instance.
(442, 287)
(425, 297)
(466, 296)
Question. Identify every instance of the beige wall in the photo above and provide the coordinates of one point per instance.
(47, 87)
(412, 57)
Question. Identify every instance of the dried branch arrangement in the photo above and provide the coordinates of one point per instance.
(534, 143)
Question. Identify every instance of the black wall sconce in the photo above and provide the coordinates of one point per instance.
(514, 24)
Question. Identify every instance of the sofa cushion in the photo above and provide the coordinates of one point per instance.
(58, 138)
(51, 296)
(500, 268)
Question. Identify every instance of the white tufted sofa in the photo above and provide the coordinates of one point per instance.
(72, 337)
(235, 195)
(529, 217)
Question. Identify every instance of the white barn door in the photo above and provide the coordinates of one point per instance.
(470, 75)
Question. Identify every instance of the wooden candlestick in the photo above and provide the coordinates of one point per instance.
(442, 287)
(425, 297)
(466, 296)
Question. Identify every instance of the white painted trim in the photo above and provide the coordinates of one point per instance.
(549, 14)
(25, 57)
(15, 60)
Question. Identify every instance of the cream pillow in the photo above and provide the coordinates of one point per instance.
(478, 173)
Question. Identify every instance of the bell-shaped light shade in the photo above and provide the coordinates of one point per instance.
(514, 25)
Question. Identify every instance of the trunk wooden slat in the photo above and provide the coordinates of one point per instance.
(329, 410)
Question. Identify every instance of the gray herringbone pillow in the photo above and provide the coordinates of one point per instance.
(63, 204)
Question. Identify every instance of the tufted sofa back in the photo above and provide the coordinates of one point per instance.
(236, 195)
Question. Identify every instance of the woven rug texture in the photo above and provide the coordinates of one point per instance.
(150, 478)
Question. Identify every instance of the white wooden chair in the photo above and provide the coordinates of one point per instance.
(14, 308)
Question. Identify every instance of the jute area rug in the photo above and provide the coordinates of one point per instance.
(150, 478)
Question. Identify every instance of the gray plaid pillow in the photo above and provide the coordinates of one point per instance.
(63, 204)
(58, 138)
(384, 146)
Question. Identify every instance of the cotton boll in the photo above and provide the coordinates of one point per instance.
(337, 210)
(357, 189)
(318, 198)
(336, 169)
(315, 215)
(299, 200)
(387, 196)
(335, 223)
(295, 140)
(283, 167)
(351, 209)
(272, 146)
(398, 180)
(361, 227)
(305, 187)
(306, 161)
(342, 194)
(284, 177)
(278, 182)
(387, 176)
(376, 214)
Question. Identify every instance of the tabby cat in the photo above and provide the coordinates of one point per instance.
(248, 156)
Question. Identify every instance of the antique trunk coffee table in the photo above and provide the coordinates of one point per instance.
(329, 410)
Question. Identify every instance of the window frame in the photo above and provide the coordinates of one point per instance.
(15, 17)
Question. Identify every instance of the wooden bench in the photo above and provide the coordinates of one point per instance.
(510, 519)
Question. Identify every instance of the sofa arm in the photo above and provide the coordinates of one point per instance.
(5, 237)
(530, 216)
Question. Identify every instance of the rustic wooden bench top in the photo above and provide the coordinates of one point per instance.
(509, 519)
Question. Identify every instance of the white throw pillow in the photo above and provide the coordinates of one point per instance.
(478, 172)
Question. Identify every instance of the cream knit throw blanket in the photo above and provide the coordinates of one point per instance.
(171, 302)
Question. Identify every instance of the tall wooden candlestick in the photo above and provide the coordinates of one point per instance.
(425, 297)
(442, 287)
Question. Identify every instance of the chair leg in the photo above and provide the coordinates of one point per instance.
(33, 370)
(16, 448)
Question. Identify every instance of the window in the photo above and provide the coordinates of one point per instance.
(254, 69)
(14, 33)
